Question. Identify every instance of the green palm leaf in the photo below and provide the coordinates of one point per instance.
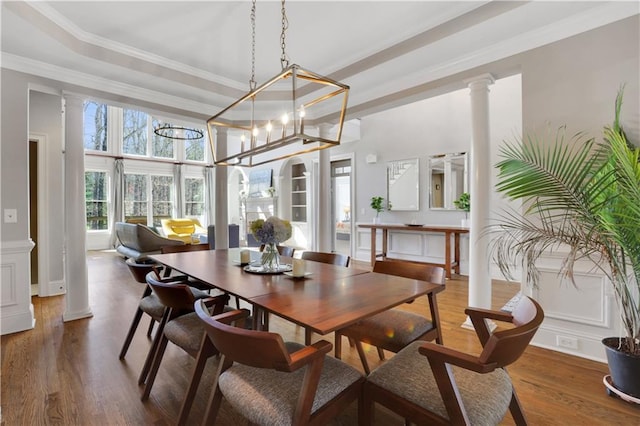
(577, 195)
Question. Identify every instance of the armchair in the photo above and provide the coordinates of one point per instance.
(182, 229)
(429, 383)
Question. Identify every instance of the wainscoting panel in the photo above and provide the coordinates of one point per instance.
(16, 311)
(577, 317)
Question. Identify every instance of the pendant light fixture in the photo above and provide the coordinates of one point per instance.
(173, 131)
(280, 118)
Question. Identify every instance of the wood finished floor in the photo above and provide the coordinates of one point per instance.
(69, 373)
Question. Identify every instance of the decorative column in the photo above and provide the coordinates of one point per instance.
(76, 277)
(324, 197)
(480, 190)
(222, 219)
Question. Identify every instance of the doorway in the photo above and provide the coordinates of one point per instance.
(341, 206)
(33, 212)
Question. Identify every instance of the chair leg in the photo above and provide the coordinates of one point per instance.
(516, 410)
(338, 345)
(201, 361)
(132, 330)
(365, 408)
(380, 353)
(150, 329)
(307, 336)
(363, 357)
(154, 348)
(213, 407)
(154, 368)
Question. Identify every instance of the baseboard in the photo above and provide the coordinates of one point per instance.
(18, 322)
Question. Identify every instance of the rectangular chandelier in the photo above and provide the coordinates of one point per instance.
(279, 119)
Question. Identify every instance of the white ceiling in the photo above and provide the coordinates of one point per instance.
(195, 57)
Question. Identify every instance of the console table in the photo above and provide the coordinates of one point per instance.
(448, 231)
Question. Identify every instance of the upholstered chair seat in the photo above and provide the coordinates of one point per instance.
(486, 397)
(269, 397)
(392, 329)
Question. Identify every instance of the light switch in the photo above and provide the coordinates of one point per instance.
(10, 216)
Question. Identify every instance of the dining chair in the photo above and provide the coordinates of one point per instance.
(323, 257)
(331, 258)
(154, 277)
(269, 381)
(396, 328)
(181, 326)
(148, 304)
(427, 383)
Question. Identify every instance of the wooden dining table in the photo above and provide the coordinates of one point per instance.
(329, 298)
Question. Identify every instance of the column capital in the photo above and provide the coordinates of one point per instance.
(482, 79)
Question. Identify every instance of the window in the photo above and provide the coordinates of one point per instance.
(134, 132)
(194, 197)
(95, 126)
(194, 150)
(96, 190)
(161, 147)
(135, 198)
(161, 196)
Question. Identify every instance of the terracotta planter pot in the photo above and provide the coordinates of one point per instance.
(624, 367)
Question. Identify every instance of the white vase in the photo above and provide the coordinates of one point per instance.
(465, 223)
(376, 220)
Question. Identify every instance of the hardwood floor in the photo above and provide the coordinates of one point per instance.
(69, 373)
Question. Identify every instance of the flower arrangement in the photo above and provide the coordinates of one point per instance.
(271, 231)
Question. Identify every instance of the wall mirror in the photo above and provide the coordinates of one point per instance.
(447, 179)
(403, 185)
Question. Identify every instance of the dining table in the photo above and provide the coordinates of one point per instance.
(328, 298)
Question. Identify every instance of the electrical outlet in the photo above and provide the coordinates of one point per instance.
(10, 216)
(567, 342)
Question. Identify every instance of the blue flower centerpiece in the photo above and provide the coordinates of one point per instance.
(271, 232)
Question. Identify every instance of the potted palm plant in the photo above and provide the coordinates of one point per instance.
(584, 196)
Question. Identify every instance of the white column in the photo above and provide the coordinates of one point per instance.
(480, 190)
(324, 199)
(222, 219)
(76, 277)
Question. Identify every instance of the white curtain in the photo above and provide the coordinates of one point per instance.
(177, 175)
(210, 194)
(117, 195)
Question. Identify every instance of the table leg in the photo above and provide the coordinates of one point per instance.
(456, 249)
(373, 246)
(385, 238)
(447, 254)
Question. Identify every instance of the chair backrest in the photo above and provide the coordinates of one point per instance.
(506, 346)
(331, 258)
(260, 349)
(140, 268)
(416, 271)
(175, 295)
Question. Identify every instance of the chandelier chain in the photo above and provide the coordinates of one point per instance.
(284, 61)
(252, 82)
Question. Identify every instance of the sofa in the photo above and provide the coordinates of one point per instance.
(137, 241)
(182, 229)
